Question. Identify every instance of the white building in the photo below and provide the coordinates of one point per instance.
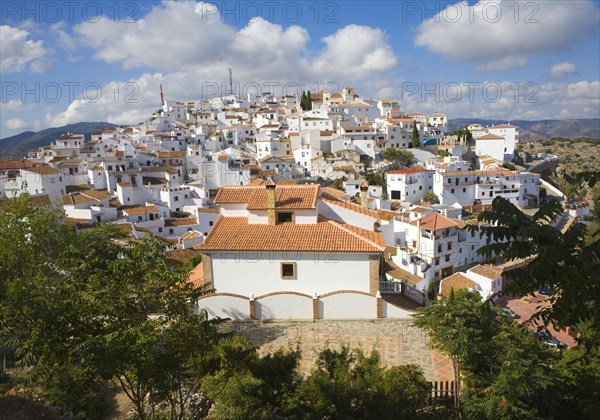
(409, 185)
(473, 188)
(271, 239)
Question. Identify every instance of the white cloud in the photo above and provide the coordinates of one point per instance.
(12, 105)
(260, 51)
(355, 50)
(201, 37)
(493, 30)
(118, 102)
(20, 53)
(562, 69)
(502, 64)
(15, 124)
(63, 39)
(501, 100)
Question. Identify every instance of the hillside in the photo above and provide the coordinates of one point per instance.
(17, 146)
(542, 129)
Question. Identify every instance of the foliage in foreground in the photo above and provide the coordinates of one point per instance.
(90, 310)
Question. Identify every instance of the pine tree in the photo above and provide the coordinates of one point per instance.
(415, 136)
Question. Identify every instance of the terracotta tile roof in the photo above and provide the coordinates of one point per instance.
(17, 164)
(43, 170)
(350, 206)
(286, 196)
(489, 137)
(85, 196)
(489, 271)
(181, 222)
(212, 211)
(190, 235)
(134, 211)
(487, 172)
(408, 171)
(387, 214)
(503, 126)
(436, 222)
(392, 270)
(335, 193)
(456, 281)
(42, 200)
(163, 155)
(197, 276)
(236, 234)
(461, 223)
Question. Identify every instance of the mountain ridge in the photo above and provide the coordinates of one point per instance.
(18, 145)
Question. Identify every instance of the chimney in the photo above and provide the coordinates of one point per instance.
(271, 217)
(364, 193)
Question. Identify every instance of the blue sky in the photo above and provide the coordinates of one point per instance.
(92, 61)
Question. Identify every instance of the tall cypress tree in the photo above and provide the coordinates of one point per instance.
(415, 135)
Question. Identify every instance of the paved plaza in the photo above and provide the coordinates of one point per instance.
(398, 341)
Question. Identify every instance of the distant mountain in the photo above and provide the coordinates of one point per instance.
(18, 145)
(539, 130)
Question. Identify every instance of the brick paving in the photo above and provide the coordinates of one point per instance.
(397, 340)
(525, 307)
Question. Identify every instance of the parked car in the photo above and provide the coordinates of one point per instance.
(548, 339)
(509, 312)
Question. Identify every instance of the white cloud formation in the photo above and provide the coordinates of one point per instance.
(500, 99)
(15, 124)
(64, 39)
(19, 53)
(493, 30)
(193, 66)
(357, 50)
(502, 64)
(562, 69)
(260, 51)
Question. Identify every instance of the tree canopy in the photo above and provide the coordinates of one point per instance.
(400, 157)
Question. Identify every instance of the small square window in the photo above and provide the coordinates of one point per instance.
(285, 217)
(210, 223)
(288, 271)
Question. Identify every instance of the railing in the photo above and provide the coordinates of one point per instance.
(415, 295)
(390, 287)
(442, 393)
(403, 288)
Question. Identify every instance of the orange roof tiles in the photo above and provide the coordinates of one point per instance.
(140, 210)
(350, 206)
(488, 271)
(408, 171)
(236, 234)
(489, 137)
(437, 222)
(456, 281)
(286, 196)
(182, 222)
(487, 172)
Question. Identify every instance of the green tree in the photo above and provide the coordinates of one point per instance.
(349, 384)
(415, 141)
(91, 308)
(303, 101)
(565, 261)
(504, 370)
(308, 101)
(400, 157)
(430, 197)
